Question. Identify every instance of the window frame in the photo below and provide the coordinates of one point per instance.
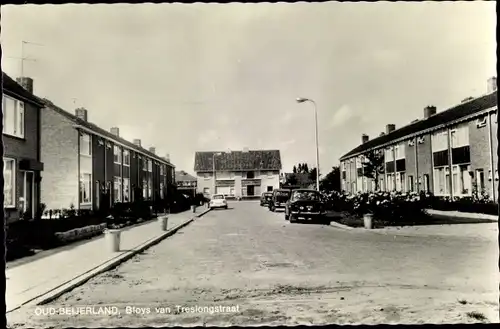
(117, 186)
(126, 155)
(81, 136)
(81, 200)
(126, 189)
(117, 152)
(12, 181)
(19, 121)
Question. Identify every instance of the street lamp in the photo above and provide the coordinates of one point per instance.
(213, 162)
(303, 100)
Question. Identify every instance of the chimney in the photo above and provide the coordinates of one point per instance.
(382, 134)
(26, 83)
(152, 149)
(137, 142)
(364, 138)
(429, 111)
(81, 113)
(492, 85)
(167, 157)
(245, 149)
(115, 131)
(390, 128)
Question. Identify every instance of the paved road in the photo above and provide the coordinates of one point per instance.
(268, 271)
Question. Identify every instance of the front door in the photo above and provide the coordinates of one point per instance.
(29, 193)
(250, 190)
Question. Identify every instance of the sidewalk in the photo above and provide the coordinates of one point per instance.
(464, 215)
(483, 231)
(28, 281)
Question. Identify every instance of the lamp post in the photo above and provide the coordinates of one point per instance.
(213, 162)
(302, 100)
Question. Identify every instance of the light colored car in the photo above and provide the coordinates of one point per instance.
(218, 201)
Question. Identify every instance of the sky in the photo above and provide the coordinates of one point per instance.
(204, 77)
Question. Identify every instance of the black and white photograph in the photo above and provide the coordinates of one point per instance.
(250, 164)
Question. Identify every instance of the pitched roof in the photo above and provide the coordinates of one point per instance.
(455, 113)
(182, 176)
(12, 88)
(101, 131)
(238, 160)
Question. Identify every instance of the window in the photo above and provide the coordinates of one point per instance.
(231, 191)
(410, 183)
(13, 116)
(439, 141)
(9, 175)
(145, 189)
(389, 156)
(144, 164)
(358, 162)
(480, 180)
(150, 165)
(206, 190)
(161, 189)
(150, 189)
(442, 181)
(117, 151)
(399, 151)
(126, 190)
(118, 189)
(161, 170)
(126, 158)
(481, 122)
(85, 144)
(85, 188)
(250, 175)
(459, 136)
(269, 189)
(206, 175)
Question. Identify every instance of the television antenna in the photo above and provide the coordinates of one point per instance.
(24, 58)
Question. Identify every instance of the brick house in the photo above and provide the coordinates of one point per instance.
(446, 153)
(244, 173)
(185, 182)
(92, 168)
(22, 167)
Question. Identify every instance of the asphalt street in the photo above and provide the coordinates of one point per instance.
(268, 271)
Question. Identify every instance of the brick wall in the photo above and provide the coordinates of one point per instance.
(59, 153)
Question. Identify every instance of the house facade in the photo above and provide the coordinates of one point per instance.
(92, 168)
(22, 167)
(246, 173)
(450, 153)
(185, 182)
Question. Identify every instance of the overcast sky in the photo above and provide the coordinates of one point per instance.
(187, 78)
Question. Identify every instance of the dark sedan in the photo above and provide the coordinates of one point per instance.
(265, 198)
(305, 204)
(279, 199)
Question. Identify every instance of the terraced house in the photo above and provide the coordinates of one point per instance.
(22, 168)
(245, 173)
(450, 153)
(92, 168)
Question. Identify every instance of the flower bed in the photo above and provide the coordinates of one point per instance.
(80, 233)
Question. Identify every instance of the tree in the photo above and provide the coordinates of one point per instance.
(331, 182)
(291, 180)
(305, 168)
(373, 166)
(312, 175)
(300, 168)
(294, 169)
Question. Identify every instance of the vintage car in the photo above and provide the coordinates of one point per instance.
(218, 201)
(305, 204)
(279, 199)
(265, 198)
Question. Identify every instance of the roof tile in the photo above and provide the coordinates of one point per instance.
(238, 161)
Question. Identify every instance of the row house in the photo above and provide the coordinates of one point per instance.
(244, 173)
(92, 168)
(185, 182)
(22, 167)
(450, 153)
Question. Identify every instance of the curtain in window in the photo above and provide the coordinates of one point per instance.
(8, 188)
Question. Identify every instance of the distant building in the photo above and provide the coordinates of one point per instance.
(185, 182)
(450, 153)
(244, 173)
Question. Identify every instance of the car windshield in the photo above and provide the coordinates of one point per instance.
(305, 195)
(218, 197)
(282, 193)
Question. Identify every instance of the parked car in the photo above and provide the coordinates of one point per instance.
(305, 204)
(218, 201)
(265, 198)
(279, 199)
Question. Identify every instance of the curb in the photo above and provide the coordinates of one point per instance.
(106, 266)
(341, 226)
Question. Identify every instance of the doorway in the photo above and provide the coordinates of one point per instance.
(28, 194)
(250, 190)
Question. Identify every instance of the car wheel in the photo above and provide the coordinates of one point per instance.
(225, 207)
(287, 217)
(293, 219)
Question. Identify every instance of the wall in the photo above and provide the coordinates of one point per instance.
(424, 160)
(203, 182)
(266, 181)
(411, 163)
(26, 148)
(59, 153)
